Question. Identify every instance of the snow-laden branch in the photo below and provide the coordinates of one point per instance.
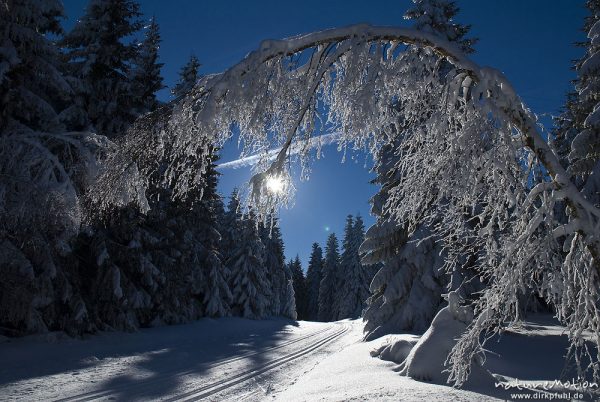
(471, 162)
(334, 44)
(490, 82)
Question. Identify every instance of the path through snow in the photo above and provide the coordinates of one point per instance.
(225, 359)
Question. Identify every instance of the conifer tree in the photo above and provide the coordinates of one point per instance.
(188, 76)
(274, 262)
(217, 296)
(230, 224)
(299, 283)
(42, 173)
(101, 61)
(327, 289)
(160, 267)
(249, 285)
(313, 281)
(289, 303)
(577, 143)
(32, 87)
(146, 77)
(436, 16)
(347, 260)
(390, 307)
(578, 128)
(357, 278)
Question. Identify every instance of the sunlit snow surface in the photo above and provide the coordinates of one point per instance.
(238, 359)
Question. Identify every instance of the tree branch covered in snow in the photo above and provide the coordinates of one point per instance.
(471, 158)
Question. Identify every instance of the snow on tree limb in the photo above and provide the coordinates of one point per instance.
(471, 159)
(488, 82)
(504, 96)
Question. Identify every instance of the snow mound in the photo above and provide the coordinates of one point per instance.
(426, 360)
(395, 348)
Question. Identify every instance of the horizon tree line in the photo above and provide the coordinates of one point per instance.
(336, 285)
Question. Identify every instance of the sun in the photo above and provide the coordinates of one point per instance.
(275, 184)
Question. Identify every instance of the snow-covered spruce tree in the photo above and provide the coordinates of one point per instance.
(354, 288)
(229, 225)
(583, 107)
(160, 266)
(215, 290)
(329, 285)
(146, 79)
(102, 61)
(368, 271)
(576, 290)
(289, 302)
(576, 138)
(471, 124)
(437, 17)
(188, 77)
(274, 262)
(387, 244)
(340, 275)
(314, 274)
(250, 287)
(197, 284)
(43, 170)
(407, 290)
(300, 290)
(565, 127)
(29, 99)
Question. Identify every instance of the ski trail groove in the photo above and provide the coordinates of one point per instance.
(91, 395)
(218, 386)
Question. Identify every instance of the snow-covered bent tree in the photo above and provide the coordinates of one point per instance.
(474, 165)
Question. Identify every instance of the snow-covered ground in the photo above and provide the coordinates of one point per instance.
(238, 359)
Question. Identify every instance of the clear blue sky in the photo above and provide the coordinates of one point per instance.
(531, 41)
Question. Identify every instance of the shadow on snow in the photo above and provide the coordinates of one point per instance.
(162, 356)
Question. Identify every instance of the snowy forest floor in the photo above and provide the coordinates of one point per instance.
(238, 359)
